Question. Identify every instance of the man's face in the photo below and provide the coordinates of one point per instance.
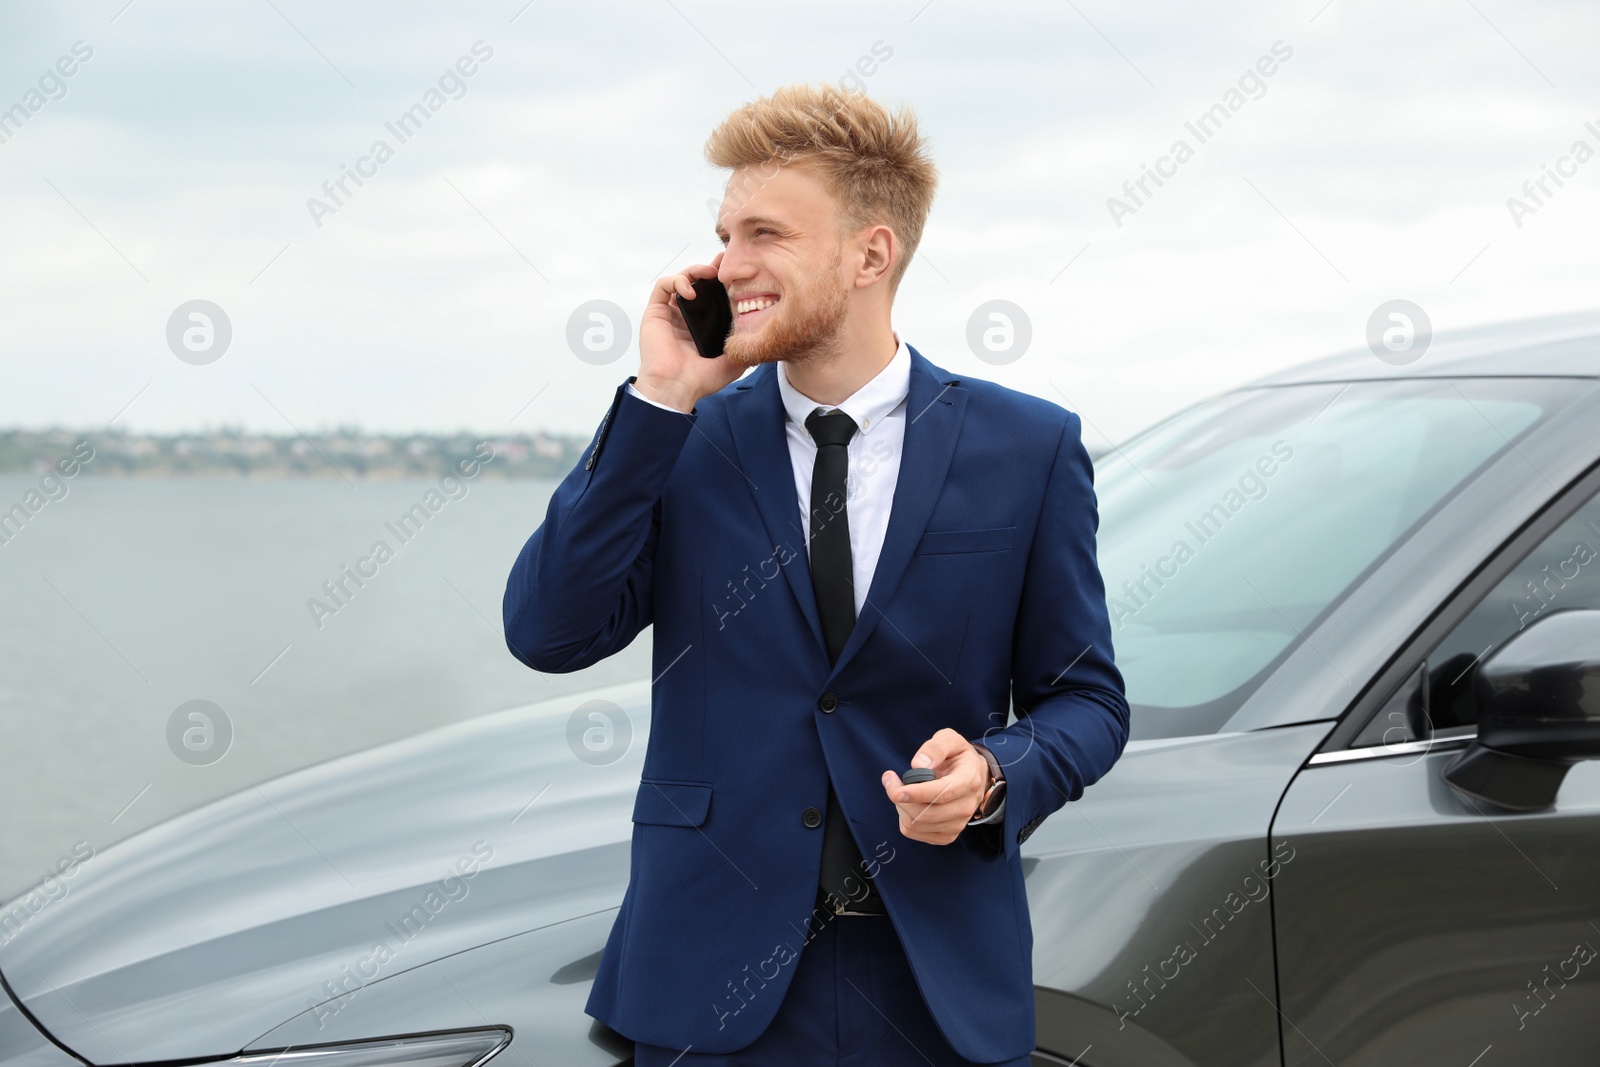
(781, 265)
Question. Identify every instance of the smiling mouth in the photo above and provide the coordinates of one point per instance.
(753, 306)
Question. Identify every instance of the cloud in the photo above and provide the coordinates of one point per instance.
(1376, 166)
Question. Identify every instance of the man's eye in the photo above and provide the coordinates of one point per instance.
(762, 229)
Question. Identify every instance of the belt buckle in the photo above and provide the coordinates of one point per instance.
(838, 907)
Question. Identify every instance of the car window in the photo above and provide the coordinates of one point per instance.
(1561, 573)
(1229, 529)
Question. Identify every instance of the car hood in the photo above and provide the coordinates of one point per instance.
(195, 936)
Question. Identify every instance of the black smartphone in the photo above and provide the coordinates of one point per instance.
(709, 316)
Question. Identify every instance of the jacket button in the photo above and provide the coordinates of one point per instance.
(828, 702)
(811, 817)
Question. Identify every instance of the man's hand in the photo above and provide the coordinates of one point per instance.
(671, 368)
(937, 811)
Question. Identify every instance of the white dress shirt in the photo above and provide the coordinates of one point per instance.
(878, 409)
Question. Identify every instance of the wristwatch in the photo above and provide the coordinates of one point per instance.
(994, 792)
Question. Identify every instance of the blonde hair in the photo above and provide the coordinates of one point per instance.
(875, 165)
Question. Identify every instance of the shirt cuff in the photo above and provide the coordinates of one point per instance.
(647, 400)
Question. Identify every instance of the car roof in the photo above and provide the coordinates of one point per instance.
(1565, 346)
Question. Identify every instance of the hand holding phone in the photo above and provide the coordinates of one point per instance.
(673, 368)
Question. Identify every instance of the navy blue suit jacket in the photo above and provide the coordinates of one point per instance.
(987, 594)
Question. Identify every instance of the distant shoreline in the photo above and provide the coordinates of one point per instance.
(289, 475)
(233, 455)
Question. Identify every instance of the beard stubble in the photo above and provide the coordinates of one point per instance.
(806, 327)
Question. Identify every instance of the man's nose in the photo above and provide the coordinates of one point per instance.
(736, 264)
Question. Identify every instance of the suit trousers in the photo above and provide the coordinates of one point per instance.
(853, 1002)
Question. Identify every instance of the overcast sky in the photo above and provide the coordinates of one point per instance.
(175, 164)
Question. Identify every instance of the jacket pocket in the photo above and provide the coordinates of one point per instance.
(946, 542)
(668, 803)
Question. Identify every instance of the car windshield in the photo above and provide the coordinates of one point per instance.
(1227, 530)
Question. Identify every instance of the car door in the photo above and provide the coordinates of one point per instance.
(1414, 924)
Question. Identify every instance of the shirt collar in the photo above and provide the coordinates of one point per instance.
(868, 405)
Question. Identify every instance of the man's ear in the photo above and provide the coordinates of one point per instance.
(878, 249)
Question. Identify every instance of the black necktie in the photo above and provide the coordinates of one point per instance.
(833, 584)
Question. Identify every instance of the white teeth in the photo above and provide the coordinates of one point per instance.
(754, 305)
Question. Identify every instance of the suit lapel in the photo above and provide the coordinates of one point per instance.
(756, 415)
(934, 409)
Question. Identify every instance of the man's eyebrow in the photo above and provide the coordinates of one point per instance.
(754, 220)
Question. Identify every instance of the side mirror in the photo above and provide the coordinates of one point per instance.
(1538, 702)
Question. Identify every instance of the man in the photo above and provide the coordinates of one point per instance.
(852, 558)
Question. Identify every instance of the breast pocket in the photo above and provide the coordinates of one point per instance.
(671, 803)
(951, 542)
